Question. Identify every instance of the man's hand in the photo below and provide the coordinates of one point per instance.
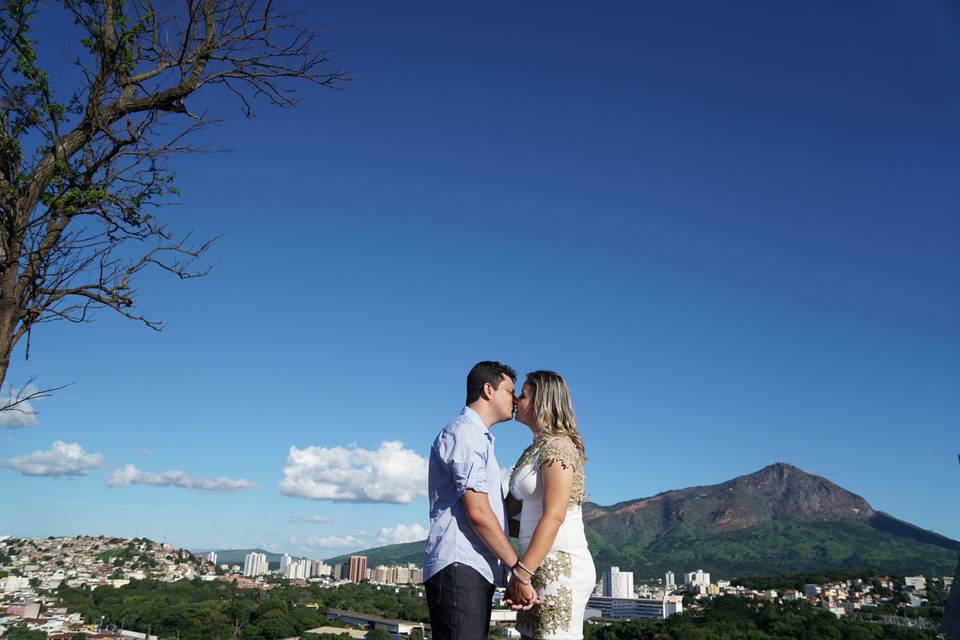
(520, 596)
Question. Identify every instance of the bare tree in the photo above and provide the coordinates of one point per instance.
(82, 178)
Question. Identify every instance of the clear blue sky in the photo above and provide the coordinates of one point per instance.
(732, 227)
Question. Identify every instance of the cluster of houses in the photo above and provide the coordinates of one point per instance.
(35, 568)
(840, 597)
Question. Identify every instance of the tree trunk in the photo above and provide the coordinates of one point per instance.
(8, 317)
(8, 323)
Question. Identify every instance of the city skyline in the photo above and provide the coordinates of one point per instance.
(47, 583)
(730, 230)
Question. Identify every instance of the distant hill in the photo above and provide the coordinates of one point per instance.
(779, 520)
(236, 556)
(390, 554)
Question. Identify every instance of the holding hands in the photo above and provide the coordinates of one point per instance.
(520, 593)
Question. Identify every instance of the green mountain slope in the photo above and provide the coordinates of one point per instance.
(774, 548)
(390, 554)
(778, 520)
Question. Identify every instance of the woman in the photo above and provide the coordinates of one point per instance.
(546, 489)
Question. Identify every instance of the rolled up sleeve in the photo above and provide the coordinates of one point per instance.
(464, 455)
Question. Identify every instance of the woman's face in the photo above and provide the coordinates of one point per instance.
(525, 407)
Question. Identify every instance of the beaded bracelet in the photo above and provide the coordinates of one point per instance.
(520, 578)
(523, 566)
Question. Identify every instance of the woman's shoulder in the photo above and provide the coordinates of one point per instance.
(560, 449)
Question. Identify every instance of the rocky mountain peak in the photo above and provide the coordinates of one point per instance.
(791, 492)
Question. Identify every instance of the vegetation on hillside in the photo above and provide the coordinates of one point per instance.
(210, 610)
(734, 619)
(777, 547)
(772, 547)
(798, 580)
(401, 554)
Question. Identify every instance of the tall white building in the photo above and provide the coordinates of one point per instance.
(212, 557)
(696, 581)
(302, 571)
(254, 564)
(401, 575)
(295, 569)
(618, 584)
(381, 574)
(320, 568)
(669, 581)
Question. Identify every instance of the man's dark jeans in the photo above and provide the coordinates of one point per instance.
(460, 600)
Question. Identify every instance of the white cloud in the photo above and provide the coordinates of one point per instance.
(62, 459)
(316, 519)
(389, 474)
(402, 533)
(129, 474)
(22, 415)
(332, 542)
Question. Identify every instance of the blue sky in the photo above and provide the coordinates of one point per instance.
(732, 229)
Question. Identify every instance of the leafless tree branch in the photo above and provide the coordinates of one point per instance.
(80, 212)
(27, 393)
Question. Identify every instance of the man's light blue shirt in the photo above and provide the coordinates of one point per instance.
(462, 458)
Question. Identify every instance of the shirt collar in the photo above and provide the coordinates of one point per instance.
(473, 417)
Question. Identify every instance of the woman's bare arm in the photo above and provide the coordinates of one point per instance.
(557, 487)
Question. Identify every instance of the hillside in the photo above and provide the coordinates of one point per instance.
(778, 520)
(390, 554)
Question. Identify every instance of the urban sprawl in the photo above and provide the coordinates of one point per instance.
(33, 569)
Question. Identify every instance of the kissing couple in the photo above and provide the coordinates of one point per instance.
(468, 553)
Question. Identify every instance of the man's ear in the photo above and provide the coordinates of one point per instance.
(488, 391)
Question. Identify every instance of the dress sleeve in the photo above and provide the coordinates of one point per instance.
(560, 450)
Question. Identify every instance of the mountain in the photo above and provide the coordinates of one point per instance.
(779, 520)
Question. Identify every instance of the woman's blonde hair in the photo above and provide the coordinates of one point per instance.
(552, 408)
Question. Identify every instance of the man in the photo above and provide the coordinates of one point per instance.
(467, 549)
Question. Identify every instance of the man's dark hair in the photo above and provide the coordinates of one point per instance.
(484, 372)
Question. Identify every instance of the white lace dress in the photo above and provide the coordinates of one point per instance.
(566, 578)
